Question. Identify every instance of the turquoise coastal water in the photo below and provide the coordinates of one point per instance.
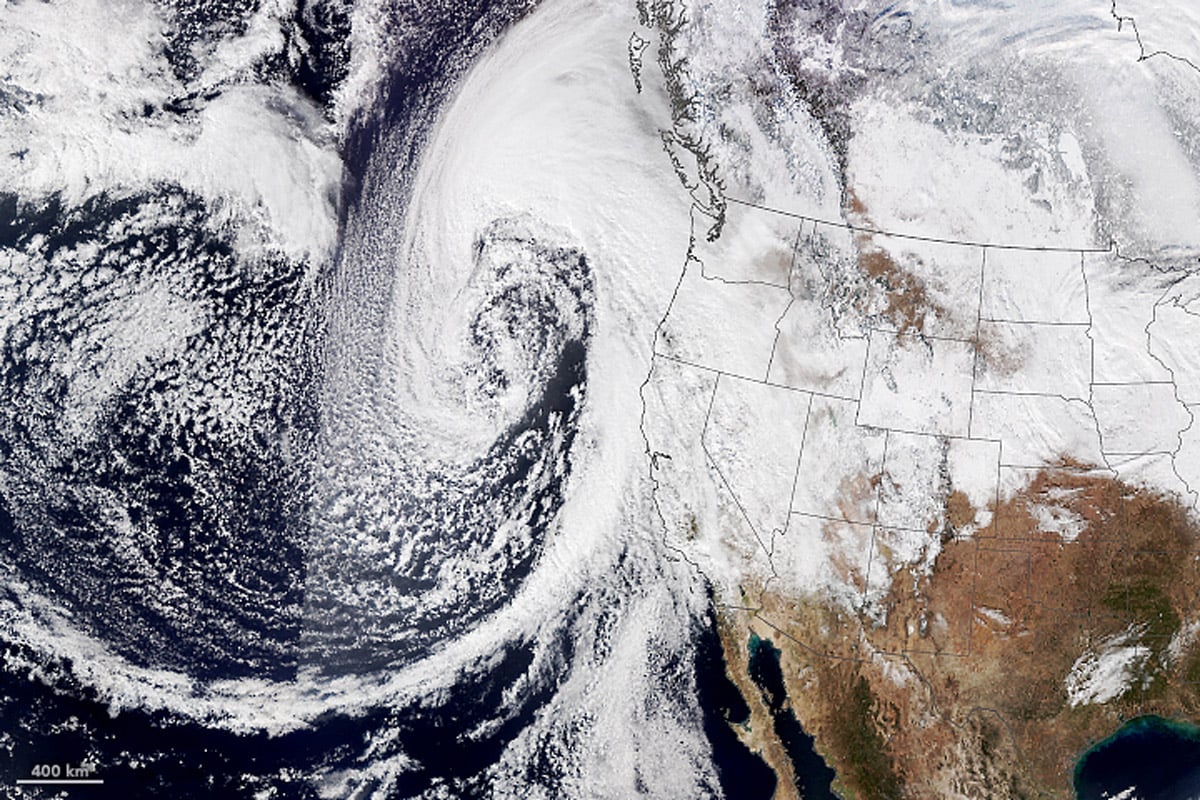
(1158, 759)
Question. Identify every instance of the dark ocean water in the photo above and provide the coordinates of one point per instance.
(742, 773)
(814, 778)
(141, 754)
(1158, 757)
(211, 496)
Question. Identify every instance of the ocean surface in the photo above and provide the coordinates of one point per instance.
(1149, 758)
(814, 778)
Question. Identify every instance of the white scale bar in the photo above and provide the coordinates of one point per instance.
(61, 781)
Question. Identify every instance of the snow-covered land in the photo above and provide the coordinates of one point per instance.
(1023, 251)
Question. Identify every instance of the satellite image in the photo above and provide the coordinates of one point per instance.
(546, 399)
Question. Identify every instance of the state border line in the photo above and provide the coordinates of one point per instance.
(791, 302)
(1035, 322)
(1155, 382)
(976, 345)
(917, 237)
(738, 376)
(716, 466)
(920, 336)
(1024, 393)
(787, 523)
(1070, 468)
